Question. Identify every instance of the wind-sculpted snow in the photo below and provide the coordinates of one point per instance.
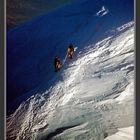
(90, 99)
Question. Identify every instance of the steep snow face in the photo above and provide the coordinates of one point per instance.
(32, 46)
(90, 98)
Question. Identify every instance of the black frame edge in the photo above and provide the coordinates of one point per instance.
(2, 98)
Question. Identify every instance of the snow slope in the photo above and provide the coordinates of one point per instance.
(91, 98)
(123, 134)
(32, 46)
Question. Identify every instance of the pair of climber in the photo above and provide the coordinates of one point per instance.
(57, 60)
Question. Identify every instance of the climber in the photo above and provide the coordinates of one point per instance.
(57, 64)
(70, 51)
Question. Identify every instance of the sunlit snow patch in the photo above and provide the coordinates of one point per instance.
(102, 12)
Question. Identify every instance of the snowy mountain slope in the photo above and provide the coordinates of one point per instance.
(32, 46)
(90, 98)
(123, 134)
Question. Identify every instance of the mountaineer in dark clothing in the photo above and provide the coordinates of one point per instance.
(57, 64)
